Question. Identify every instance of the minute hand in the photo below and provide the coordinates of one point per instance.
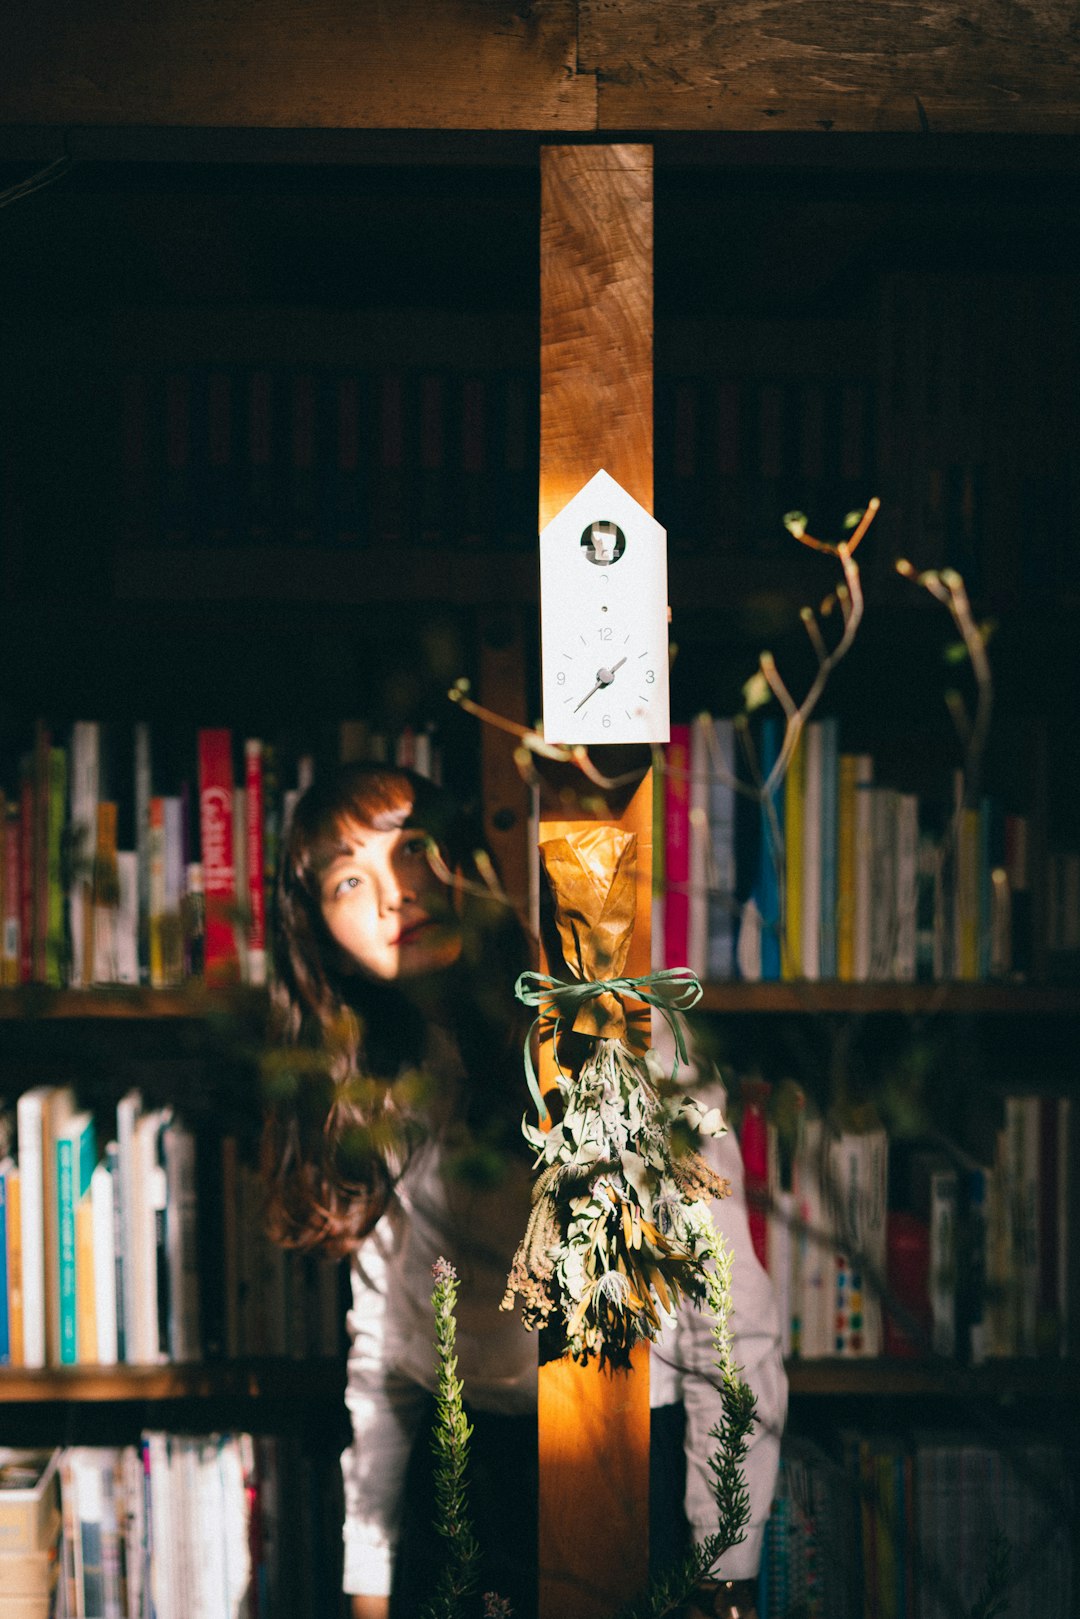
(604, 677)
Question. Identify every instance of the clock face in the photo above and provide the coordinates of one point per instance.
(603, 595)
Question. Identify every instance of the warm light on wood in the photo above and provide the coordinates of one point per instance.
(596, 411)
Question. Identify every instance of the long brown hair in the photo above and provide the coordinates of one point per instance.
(342, 1116)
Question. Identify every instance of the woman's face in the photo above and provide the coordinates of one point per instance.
(384, 906)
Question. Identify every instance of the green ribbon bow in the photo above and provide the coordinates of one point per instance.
(674, 989)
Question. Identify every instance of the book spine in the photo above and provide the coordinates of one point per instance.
(128, 1110)
(65, 1205)
(41, 851)
(699, 874)
(85, 1282)
(27, 821)
(254, 811)
(157, 893)
(5, 1316)
(830, 848)
(10, 949)
(106, 895)
(812, 874)
(103, 1237)
(143, 792)
(770, 854)
(794, 796)
(677, 848)
(907, 886)
(85, 791)
(220, 957)
(30, 1115)
(863, 875)
(16, 1323)
(754, 1144)
(721, 818)
(943, 1252)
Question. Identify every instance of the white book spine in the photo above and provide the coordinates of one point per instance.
(126, 918)
(700, 861)
(30, 1123)
(127, 1112)
(182, 1252)
(102, 1192)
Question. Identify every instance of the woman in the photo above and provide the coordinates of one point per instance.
(399, 1143)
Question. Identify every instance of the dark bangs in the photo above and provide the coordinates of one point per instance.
(381, 797)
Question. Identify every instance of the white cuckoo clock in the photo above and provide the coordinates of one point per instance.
(604, 619)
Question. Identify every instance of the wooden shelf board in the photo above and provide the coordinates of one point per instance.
(801, 995)
(194, 1000)
(1052, 1379)
(247, 1379)
(324, 1379)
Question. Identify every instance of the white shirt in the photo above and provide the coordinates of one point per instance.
(392, 1362)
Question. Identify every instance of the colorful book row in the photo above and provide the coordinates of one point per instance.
(919, 1526)
(976, 1261)
(189, 896)
(832, 874)
(152, 1250)
(180, 1527)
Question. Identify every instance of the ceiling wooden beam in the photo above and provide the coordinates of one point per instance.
(552, 66)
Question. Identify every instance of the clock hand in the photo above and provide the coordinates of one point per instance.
(604, 677)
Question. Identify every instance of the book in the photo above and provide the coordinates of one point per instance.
(811, 907)
(830, 847)
(794, 801)
(76, 1153)
(905, 953)
(82, 836)
(254, 811)
(677, 848)
(103, 1240)
(55, 927)
(9, 916)
(85, 1282)
(16, 1328)
(6, 1165)
(770, 852)
(41, 1114)
(182, 1252)
(721, 812)
(754, 1145)
(862, 859)
(29, 1501)
(106, 896)
(220, 957)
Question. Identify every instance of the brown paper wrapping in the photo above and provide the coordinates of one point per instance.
(593, 878)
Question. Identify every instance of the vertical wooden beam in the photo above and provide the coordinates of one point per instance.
(596, 410)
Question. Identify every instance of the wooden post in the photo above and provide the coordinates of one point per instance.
(596, 404)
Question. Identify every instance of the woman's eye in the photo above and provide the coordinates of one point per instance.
(416, 846)
(345, 885)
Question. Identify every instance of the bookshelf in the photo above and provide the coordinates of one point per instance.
(791, 342)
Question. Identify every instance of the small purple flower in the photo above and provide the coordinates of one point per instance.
(443, 1271)
(496, 1607)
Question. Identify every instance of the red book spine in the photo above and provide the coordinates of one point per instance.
(754, 1144)
(907, 1271)
(26, 879)
(253, 832)
(221, 960)
(677, 848)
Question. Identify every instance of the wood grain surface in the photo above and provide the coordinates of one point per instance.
(548, 65)
(596, 320)
(596, 411)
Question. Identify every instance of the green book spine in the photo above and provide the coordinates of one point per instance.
(65, 1203)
